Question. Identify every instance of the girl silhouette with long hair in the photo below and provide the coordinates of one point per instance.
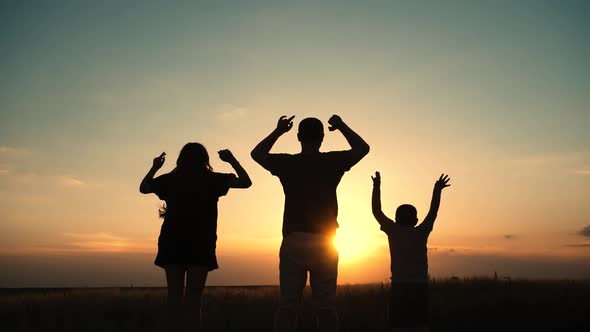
(186, 245)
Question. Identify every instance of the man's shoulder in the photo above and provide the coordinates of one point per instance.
(282, 155)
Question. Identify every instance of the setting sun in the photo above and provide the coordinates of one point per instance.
(352, 245)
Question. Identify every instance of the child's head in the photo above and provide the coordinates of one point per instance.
(193, 157)
(406, 215)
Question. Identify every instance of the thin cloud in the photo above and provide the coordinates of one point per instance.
(509, 237)
(578, 245)
(69, 181)
(572, 162)
(585, 231)
(553, 158)
(233, 112)
(103, 242)
(12, 151)
(7, 149)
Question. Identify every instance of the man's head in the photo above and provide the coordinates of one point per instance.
(406, 215)
(311, 133)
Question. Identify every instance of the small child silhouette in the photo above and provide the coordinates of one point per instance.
(409, 298)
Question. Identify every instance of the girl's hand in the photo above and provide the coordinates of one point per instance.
(159, 161)
(227, 156)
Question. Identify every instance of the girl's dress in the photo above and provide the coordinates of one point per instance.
(189, 231)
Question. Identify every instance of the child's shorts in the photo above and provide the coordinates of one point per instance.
(409, 304)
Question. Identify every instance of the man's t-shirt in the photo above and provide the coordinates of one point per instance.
(309, 183)
(191, 204)
(407, 247)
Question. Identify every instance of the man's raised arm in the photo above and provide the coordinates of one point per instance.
(261, 152)
(359, 148)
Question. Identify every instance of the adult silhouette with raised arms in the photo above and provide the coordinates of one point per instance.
(187, 241)
(409, 298)
(309, 181)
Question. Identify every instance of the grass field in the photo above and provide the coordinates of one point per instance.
(457, 305)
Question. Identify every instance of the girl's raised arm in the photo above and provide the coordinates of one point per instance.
(242, 180)
(146, 184)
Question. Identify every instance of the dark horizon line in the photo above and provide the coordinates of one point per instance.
(444, 279)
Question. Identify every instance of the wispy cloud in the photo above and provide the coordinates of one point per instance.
(573, 162)
(488, 250)
(103, 242)
(553, 158)
(233, 112)
(69, 181)
(578, 245)
(71, 243)
(7, 149)
(509, 237)
(12, 151)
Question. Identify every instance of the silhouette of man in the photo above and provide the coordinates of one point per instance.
(309, 181)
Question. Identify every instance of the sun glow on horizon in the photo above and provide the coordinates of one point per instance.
(352, 245)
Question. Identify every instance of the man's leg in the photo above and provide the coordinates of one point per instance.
(323, 277)
(292, 278)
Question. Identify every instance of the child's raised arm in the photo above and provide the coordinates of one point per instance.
(439, 185)
(243, 180)
(146, 184)
(376, 201)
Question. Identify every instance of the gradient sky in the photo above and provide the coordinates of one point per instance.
(495, 93)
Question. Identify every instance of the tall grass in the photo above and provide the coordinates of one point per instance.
(456, 305)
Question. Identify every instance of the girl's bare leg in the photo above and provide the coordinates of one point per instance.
(175, 280)
(196, 278)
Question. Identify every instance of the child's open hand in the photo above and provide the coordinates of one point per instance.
(442, 182)
(376, 179)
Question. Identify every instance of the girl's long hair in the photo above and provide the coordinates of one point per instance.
(193, 160)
